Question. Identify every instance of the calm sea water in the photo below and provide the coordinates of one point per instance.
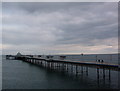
(21, 75)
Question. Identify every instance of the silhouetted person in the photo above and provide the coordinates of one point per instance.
(82, 54)
(102, 61)
(98, 60)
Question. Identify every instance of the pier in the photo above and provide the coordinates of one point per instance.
(73, 67)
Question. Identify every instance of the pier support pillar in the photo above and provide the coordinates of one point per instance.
(82, 69)
(97, 73)
(87, 71)
(48, 65)
(58, 66)
(67, 67)
(98, 76)
(76, 70)
(54, 66)
(103, 73)
(62, 66)
(71, 68)
(51, 65)
(109, 75)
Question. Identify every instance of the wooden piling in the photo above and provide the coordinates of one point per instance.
(97, 73)
(109, 75)
(71, 68)
(103, 73)
(86, 70)
(82, 69)
(76, 69)
(67, 67)
(51, 65)
(63, 67)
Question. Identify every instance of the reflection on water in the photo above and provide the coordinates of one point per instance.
(21, 75)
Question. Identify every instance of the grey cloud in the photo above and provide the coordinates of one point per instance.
(47, 6)
(87, 32)
(59, 23)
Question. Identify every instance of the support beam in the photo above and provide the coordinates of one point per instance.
(109, 75)
(86, 70)
(67, 67)
(76, 70)
(63, 67)
(71, 68)
(97, 73)
(82, 69)
(103, 73)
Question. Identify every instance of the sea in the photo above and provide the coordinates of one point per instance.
(18, 74)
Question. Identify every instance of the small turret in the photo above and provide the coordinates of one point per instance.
(18, 54)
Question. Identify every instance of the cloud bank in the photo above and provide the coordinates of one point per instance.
(67, 28)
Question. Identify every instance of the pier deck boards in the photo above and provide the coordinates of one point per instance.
(84, 63)
(94, 64)
(71, 66)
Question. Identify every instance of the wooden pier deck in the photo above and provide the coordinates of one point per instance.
(93, 64)
(71, 66)
(104, 65)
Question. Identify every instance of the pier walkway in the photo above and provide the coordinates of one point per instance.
(76, 67)
(115, 67)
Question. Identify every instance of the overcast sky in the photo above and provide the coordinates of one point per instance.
(60, 28)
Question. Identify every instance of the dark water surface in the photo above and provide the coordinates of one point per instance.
(21, 75)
